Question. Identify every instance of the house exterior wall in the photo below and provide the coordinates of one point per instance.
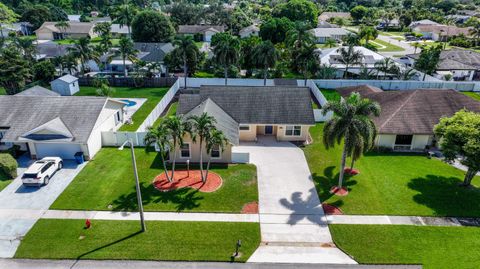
(225, 156)
(250, 135)
(419, 142)
(207, 36)
(388, 141)
(44, 35)
(281, 136)
(385, 140)
(64, 88)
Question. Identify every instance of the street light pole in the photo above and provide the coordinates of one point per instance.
(137, 184)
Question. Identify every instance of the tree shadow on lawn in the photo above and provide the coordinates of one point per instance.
(445, 196)
(327, 180)
(183, 198)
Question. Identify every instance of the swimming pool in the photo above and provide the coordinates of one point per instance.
(129, 102)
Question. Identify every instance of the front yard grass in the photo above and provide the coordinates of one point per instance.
(474, 95)
(433, 247)
(163, 240)
(153, 95)
(107, 183)
(330, 94)
(389, 47)
(392, 183)
(4, 180)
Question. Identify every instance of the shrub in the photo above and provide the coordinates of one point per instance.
(8, 165)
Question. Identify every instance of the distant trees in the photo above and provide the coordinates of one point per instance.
(187, 49)
(7, 16)
(368, 33)
(275, 29)
(103, 29)
(358, 13)
(36, 15)
(266, 57)
(185, 13)
(14, 70)
(126, 50)
(124, 14)
(83, 51)
(428, 60)
(227, 51)
(297, 10)
(152, 26)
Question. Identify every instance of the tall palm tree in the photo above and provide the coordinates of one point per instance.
(216, 139)
(160, 137)
(70, 63)
(349, 56)
(266, 57)
(351, 123)
(300, 36)
(126, 50)
(202, 126)
(387, 66)
(83, 51)
(330, 43)
(186, 47)
(177, 129)
(124, 14)
(62, 25)
(368, 33)
(227, 51)
(307, 60)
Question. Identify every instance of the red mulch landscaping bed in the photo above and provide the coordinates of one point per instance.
(250, 208)
(351, 172)
(339, 191)
(331, 209)
(192, 179)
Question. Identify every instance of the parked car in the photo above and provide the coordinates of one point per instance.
(41, 171)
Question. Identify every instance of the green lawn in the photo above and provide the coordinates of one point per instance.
(172, 110)
(188, 241)
(388, 46)
(202, 74)
(153, 95)
(95, 40)
(4, 180)
(474, 95)
(108, 180)
(3, 91)
(434, 247)
(330, 94)
(393, 183)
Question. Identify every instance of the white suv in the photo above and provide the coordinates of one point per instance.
(40, 172)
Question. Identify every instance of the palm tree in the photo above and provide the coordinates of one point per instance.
(186, 47)
(216, 139)
(351, 39)
(84, 52)
(330, 43)
(26, 46)
(475, 31)
(300, 36)
(416, 45)
(227, 51)
(351, 123)
(266, 56)
(307, 60)
(177, 128)
(368, 33)
(124, 14)
(349, 56)
(70, 63)
(126, 50)
(406, 74)
(387, 66)
(62, 25)
(160, 136)
(201, 128)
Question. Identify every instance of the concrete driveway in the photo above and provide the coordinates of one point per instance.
(292, 221)
(21, 207)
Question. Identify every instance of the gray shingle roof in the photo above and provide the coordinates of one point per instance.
(154, 52)
(456, 59)
(224, 122)
(414, 111)
(52, 50)
(25, 113)
(37, 91)
(73, 27)
(194, 29)
(256, 105)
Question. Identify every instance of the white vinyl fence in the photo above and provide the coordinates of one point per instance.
(317, 113)
(197, 82)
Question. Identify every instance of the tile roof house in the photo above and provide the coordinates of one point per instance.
(37, 91)
(323, 33)
(207, 31)
(49, 50)
(75, 30)
(441, 32)
(325, 16)
(242, 113)
(408, 117)
(57, 125)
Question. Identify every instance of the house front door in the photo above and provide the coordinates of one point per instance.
(268, 129)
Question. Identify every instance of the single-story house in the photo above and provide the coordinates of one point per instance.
(393, 23)
(118, 31)
(22, 28)
(441, 32)
(326, 16)
(75, 30)
(65, 85)
(422, 22)
(50, 50)
(460, 19)
(74, 17)
(205, 31)
(37, 91)
(461, 65)
(243, 113)
(57, 125)
(408, 117)
(322, 34)
(248, 31)
(324, 24)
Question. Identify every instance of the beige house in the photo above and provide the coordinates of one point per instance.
(205, 31)
(75, 30)
(244, 113)
(409, 116)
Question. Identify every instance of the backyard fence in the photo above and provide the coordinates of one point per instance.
(130, 82)
(317, 113)
(197, 82)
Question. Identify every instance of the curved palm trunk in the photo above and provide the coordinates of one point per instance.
(184, 71)
(174, 158)
(469, 177)
(204, 178)
(165, 167)
(342, 168)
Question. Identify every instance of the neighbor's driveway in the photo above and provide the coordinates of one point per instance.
(292, 221)
(16, 197)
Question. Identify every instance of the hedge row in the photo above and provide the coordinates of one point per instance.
(8, 165)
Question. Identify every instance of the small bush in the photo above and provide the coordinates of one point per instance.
(8, 165)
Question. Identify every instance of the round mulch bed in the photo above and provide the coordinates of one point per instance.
(339, 191)
(250, 208)
(351, 172)
(184, 179)
(331, 209)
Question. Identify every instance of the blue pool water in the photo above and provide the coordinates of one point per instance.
(129, 102)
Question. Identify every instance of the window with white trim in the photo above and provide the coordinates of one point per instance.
(216, 153)
(118, 118)
(244, 127)
(293, 130)
(185, 150)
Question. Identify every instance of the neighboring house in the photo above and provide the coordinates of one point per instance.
(75, 30)
(440, 32)
(393, 23)
(118, 31)
(50, 50)
(74, 18)
(422, 22)
(243, 113)
(22, 28)
(461, 65)
(205, 31)
(37, 91)
(460, 19)
(57, 125)
(408, 117)
(322, 34)
(324, 24)
(326, 16)
(248, 31)
(66, 85)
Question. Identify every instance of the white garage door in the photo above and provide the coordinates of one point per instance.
(64, 151)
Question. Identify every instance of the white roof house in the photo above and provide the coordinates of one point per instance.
(251, 30)
(66, 85)
(322, 34)
(422, 22)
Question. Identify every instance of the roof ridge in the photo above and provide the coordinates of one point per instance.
(398, 109)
